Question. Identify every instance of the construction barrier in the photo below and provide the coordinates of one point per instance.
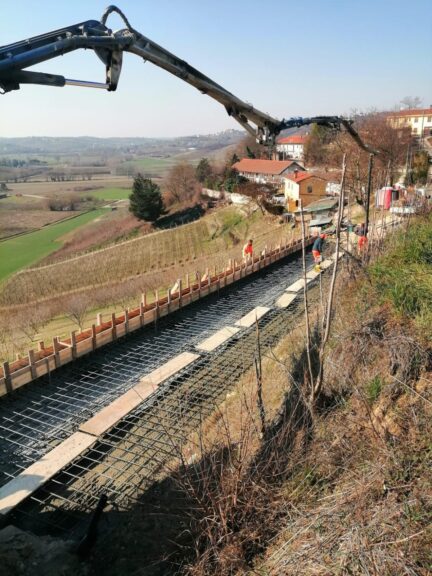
(45, 359)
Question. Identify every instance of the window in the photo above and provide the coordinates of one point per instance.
(429, 119)
(414, 130)
(309, 189)
(415, 119)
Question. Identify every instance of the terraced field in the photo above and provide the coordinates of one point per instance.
(28, 248)
(217, 235)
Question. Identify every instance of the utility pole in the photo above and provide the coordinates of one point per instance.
(368, 192)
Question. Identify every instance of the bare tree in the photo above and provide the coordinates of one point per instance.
(181, 183)
(77, 308)
(411, 102)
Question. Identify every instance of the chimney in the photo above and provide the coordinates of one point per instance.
(295, 174)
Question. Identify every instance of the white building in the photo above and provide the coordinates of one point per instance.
(419, 120)
(291, 147)
(266, 171)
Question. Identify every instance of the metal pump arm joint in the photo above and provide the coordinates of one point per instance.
(109, 47)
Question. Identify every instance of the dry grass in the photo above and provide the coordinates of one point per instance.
(48, 189)
(210, 236)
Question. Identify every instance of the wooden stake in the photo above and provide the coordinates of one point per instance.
(113, 326)
(179, 282)
(93, 337)
(31, 360)
(7, 377)
(56, 348)
(73, 344)
(126, 321)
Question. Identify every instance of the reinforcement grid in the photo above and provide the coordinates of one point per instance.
(126, 460)
(131, 456)
(40, 415)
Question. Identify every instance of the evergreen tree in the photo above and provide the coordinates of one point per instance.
(203, 171)
(146, 199)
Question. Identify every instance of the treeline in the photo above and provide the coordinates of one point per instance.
(399, 155)
(15, 163)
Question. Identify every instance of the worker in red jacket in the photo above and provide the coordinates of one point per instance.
(248, 251)
(317, 250)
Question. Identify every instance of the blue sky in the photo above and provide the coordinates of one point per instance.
(288, 58)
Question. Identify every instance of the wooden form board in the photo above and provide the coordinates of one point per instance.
(33, 477)
(119, 408)
(111, 414)
(214, 341)
(168, 369)
(285, 300)
(251, 317)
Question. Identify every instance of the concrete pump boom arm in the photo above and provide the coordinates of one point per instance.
(109, 46)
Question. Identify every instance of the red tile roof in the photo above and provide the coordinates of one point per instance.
(296, 139)
(256, 166)
(415, 112)
(300, 176)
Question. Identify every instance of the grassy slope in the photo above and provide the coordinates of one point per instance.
(28, 249)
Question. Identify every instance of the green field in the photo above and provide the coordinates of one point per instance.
(29, 248)
(151, 166)
(111, 194)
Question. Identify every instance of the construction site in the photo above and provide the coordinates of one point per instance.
(251, 392)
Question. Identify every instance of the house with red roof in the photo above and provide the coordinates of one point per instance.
(266, 171)
(291, 147)
(303, 188)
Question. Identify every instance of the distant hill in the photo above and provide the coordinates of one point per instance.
(39, 145)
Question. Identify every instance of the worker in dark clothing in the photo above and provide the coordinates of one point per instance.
(317, 250)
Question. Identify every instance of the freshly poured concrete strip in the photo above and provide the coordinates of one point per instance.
(285, 300)
(297, 286)
(326, 264)
(110, 415)
(166, 370)
(217, 339)
(251, 317)
(312, 274)
(33, 477)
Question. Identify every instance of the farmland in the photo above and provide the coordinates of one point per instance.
(24, 250)
(23, 214)
(50, 189)
(111, 194)
(213, 235)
